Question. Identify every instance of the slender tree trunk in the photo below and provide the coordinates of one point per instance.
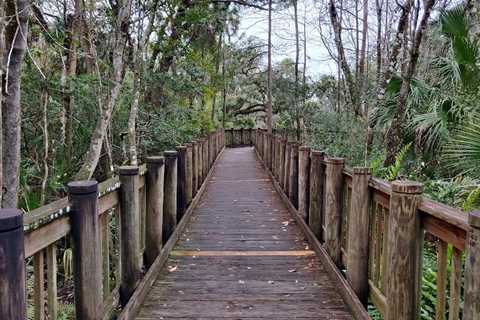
(16, 44)
(337, 30)
(395, 49)
(297, 73)
(217, 69)
(397, 128)
(269, 71)
(362, 81)
(73, 39)
(369, 128)
(2, 73)
(224, 89)
(46, 147)
(304, 80)
(100, 131)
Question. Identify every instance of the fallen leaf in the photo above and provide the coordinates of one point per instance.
(172, 268)
(292, 270)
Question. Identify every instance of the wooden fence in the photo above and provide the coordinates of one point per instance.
(118, 229)
(377, 232)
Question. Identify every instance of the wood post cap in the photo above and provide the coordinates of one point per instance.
(83, 187)
(406, 186)
(189, 144)
(128, 170)
(335, 161)
(304, 148)
(181, 148)
(194, 142)
(170, 154)
(156, 159)
(474, 218)
(10, 219)
(362, 170)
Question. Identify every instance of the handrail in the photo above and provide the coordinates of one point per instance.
(46, 226)
(391, 220)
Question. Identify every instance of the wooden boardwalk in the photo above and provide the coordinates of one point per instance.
(242, 256)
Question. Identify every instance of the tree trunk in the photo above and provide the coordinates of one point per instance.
(396, 131)
(16, 43)
(2, 72)
(337, 30)
(217, 68)
(297, 75)
(46, 147)
(99, 133)
(269, 71)
(397, 44)
(70, 71)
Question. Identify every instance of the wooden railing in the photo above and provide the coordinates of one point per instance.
(117, 230)
(377, 233)
(239, 137)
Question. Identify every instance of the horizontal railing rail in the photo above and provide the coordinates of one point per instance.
(378, 233)
(94, 247)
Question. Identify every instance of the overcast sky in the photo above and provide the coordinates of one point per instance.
(255, 23)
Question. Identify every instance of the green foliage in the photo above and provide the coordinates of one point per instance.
(462, 152)
(391, 172)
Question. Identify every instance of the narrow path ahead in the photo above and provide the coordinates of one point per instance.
(242, 256)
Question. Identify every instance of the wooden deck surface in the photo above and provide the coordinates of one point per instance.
(242, 256)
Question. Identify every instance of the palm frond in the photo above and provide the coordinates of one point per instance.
(462, 152)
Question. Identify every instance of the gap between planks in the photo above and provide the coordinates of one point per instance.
(289, 253)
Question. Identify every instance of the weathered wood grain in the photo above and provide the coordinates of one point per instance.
(131, 264)
(317, 178)
(87, 254)
(154, 220)
(303, 181)
(333, 199)
(170, 192)
(471, 309)
(358, 231)
(12, 265)
(404, 245)
(251, 281)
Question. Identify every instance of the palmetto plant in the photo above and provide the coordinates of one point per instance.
(462, 152)
(437, 106)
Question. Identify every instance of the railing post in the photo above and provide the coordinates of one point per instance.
(194, 168)
(404, 245)
(170, 195)
(131, 266)
(87, 254)
(181, 181)
(281, 159)
(471, 309)
(13, 297)
(200, 164)
(205, 158)
(271, 154)
(288, 155)
(265, 149)
(333, 207)
(293, 183)
(277, 157)
(303, 181)
(154, 219)
(317, 180)
(190, 168)
(250, 139)
(357, 238)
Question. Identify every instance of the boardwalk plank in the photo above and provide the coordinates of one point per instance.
(258, 266)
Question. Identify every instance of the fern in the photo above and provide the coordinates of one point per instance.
(473, 200)
(393, 170)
